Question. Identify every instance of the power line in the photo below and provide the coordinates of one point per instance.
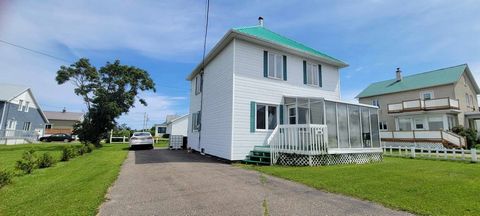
(206, 34)
(34, 51)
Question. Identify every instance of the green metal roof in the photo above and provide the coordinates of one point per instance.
(265, 34)
(416, 81)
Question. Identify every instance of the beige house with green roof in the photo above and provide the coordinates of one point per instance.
(429, 101)
(264, 98)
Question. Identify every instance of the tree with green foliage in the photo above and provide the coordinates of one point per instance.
(470, 134)
(107, 92)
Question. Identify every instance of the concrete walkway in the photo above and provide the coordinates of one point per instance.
(164, 182)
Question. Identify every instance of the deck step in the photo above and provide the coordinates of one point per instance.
(246, 161)
(260, 155)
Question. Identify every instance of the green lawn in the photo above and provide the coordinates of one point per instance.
(162, 143)
(76, 187)
(423, 187)
(9, 154)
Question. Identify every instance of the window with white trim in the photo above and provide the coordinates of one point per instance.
(467, 98)
(426, 95)
(27, 106)
(312, 74)
(266, 117)
(275, 65)
(48, 126)
(383, 125)
(198, 84)
(376, 102)
(11, 124)
(419, 123)
(196, 121)
(20, 105)
(26, 126)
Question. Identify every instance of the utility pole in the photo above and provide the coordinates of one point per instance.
(144, 120)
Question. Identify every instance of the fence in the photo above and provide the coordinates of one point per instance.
(432, 153)
(17, 137)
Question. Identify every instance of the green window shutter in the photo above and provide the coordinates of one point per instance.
(265, 63)
(285, 68)
(252, 116)
(320, 75)
(304, 72)
(281, 113)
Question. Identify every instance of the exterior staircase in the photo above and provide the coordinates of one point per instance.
(260, 155)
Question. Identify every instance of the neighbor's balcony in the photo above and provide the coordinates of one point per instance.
(423, 105)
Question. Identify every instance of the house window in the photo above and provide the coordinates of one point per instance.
(26, 126)
(467, 98)
(383, 125)
(376, 103)
(266, 117)
(419, 124)
(161, 130)
(312, 74)
(48, 126)
(404, 124)
(196, 120)
(20, 105)
(198, 84)
(426, 95)
(275, 66)
(27, 106)
(11, 124)
(292, 116)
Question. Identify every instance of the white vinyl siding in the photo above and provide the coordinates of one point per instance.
(216, 117)
(249, 85)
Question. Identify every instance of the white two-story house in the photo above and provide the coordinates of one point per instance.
(260, 89)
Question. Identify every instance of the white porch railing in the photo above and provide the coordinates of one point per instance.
(308, 139)
(419, 104)
(423, 136)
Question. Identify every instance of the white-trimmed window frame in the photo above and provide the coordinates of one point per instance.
(278, 72)
(27, 126)
(20, 105)
(27, 106)
(376, 102)
(198, 84)
(267, 105)
(383, 126)
(423, 93)
(48, 126)
(313, 78)
(196, 122)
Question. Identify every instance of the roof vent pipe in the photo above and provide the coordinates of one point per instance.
(64, 110)
(399, 74)
(260, 21)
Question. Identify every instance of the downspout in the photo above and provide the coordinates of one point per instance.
(202, 151)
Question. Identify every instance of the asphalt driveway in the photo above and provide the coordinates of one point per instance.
(165, 182)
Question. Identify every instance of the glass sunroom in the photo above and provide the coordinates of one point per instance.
(317, 126)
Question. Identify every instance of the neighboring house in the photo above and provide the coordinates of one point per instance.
(178, 126)
(259, 89)
(436, 100)
(62, 122)
(161, 129)
(21, 119)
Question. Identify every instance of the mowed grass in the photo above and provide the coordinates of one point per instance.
(424, 187)
(9, 154)
(162, 143)
(76, 187)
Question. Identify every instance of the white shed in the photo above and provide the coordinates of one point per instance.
(178, 126)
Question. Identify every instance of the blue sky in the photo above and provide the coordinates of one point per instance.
(165, 38)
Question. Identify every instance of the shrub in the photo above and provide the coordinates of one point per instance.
(89, 147)
(469, 133)
(68, 152)
(5, 177)
(477, 146)
(166, 136)
(80, 150)
(28, 162)
(46, 160)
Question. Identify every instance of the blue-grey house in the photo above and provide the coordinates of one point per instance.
(21, 119)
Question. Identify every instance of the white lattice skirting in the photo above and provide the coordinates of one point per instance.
(286, 159)
(431, 145)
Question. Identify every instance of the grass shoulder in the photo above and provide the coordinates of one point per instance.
(423, 187)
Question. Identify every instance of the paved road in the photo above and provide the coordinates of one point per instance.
(164, 182)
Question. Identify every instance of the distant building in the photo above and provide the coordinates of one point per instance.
(161, 129)
(21, 118)
(178, 126)
(62, 122)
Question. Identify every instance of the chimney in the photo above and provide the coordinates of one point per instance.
(399, 74)
(260, 21)
(64, 110)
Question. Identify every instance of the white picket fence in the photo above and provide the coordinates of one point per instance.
(433, 153)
